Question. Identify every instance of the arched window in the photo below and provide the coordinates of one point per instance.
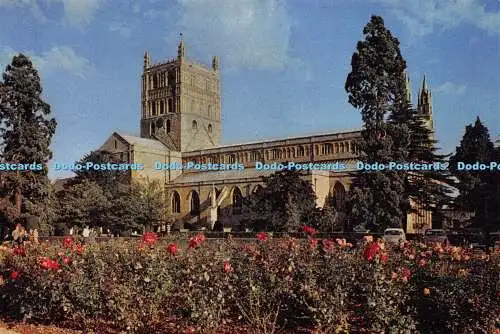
(194, 125)
(168, 126)
(209, 128)
(327, 149)
(257, 189)
(237, 201)
(171, 105)
(152, 129)
(116, 144)
(300, 151)
(162, 107)
(195, 203)
(176, 202)
(154, 108)
(209, 110)
(339, 196)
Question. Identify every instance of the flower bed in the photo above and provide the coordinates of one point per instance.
(260, 286)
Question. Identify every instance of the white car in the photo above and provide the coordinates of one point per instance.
(394, 235)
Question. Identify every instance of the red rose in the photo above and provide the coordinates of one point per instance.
(406, 274)
(46, 263)
(371, 251)
(15, 275)
(421, 263)
(314, 243)
(50, 264)
(21, 251)
(196, 241)
(67, 260)
(150, 238)
(79, 249)
(172, 249)
(227, 267)
(384, 257)
(262, 236)
(54, 265)
(309, 230)
(68, 242)
(327, 245)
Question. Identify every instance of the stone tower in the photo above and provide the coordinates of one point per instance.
(424, 106)
(180, 102)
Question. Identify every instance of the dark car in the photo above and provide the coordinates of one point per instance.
(476, 238)
(436, 236)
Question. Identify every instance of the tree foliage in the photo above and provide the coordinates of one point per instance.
(478, 188)
(109, 180)
(376, 86)
(284, 203)
(26, 131)
(133, 207)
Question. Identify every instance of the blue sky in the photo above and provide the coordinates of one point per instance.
(284, 63)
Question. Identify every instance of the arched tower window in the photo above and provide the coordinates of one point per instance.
(237, 201)
(162, 107)
(194, 203)
(168, 126)
(153, 108)
(210, 128)
(176, 202)
(171, 105)
(194, 125)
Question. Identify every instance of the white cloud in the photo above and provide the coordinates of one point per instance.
(80, 12)
(451, 88)
(422, 16)
(59, 58)
(76, 12)
(120, 28)
(245, 33)
(30, 5)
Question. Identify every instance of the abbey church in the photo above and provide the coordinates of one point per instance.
(181, 123)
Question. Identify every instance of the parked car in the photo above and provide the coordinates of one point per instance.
(436, 236)
(394, 235)
(475, 238)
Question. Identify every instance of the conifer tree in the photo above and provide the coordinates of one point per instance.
(478, 188)
(375, 86)
(26, 130)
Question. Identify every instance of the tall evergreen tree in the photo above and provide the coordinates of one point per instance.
(478, 188)
(375, 85)
(26, 130)
(429, 188)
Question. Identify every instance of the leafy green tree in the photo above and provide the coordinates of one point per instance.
(478, 189)
(150, 195)
(376, 86)
(82, 204)
(109, 180)
(284, 203)
(26, 131)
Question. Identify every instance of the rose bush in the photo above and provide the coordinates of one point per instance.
(266, 285)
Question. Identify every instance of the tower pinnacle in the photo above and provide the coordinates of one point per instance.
(147, 60)
(181, 52)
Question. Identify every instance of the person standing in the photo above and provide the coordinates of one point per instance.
(16, 235)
